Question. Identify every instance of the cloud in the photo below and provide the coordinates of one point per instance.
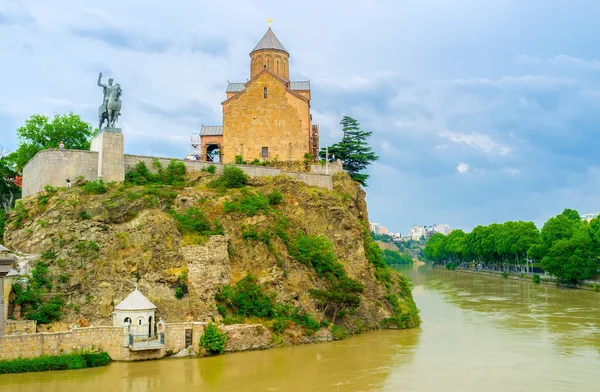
(122, 39)
(520, 116)
(561, 61)
(477, 141)
(462, 167)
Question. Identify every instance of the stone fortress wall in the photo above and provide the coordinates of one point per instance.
(108, 161)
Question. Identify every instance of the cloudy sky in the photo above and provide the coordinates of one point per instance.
(481, 111)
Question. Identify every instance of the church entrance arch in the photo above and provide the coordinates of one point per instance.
(213, 153)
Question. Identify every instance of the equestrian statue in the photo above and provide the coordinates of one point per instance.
(110, 110)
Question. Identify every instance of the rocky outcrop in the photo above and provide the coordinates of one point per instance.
(208, 269)
(98, 247)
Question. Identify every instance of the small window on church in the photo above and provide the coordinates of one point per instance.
(265, 152)
(265, 92)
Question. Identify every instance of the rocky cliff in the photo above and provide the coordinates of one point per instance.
(95, 246)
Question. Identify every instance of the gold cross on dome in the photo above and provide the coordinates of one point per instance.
(269, 21)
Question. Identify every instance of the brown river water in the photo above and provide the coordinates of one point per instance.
(479, 333)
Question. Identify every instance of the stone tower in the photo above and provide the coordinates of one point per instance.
(270, 54)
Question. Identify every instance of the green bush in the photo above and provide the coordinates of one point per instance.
(250, 233)
(250, 204)
(280, 325)
(392, 257)
(233, 177)
(275, 197)
(317, 252)
(536, 278)
(451, 266)
(338, 333)
(35, 302)
(2, 215)
(211, 169)
(505, 274)
(192, 220)
(48, 311)
(375, 256)
(83, 215)
(173, 174)
(239, 160)
(181, 288)
(297, 316)
(60, 362)
(96, 187)
(213, 340)
(246, 298)
(179, 291)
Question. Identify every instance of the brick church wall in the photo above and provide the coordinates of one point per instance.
(280, 122)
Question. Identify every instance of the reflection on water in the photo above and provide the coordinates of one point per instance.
(479, 334)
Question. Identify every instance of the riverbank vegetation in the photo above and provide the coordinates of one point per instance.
(566, 247)
(60, 362)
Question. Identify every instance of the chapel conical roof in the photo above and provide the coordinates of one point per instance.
(135, 301)
(269, 41)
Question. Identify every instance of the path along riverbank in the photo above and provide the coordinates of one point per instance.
(590, 285)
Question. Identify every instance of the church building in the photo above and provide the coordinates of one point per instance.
(266, 118)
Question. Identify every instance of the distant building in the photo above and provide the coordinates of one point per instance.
(441, 228)
(416, 232)
(374, 227)
(382, 230)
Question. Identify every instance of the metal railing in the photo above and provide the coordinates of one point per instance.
(147, 342)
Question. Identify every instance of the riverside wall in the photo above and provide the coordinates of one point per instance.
(114, 340)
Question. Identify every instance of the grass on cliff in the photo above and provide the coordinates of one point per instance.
(405, 312)
(60, 362)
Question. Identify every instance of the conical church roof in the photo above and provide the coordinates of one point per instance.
(135, 301)
(269, 41)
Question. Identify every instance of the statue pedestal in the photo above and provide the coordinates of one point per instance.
(111, 130)
(111, 154)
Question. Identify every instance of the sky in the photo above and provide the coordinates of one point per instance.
(481, 111)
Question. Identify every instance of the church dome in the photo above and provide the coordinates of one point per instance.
(269, 42)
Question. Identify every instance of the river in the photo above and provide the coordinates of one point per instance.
(479, 333)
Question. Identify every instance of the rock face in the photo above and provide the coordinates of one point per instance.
(208, 270)
(98, 247)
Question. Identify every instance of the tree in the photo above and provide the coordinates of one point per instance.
(353, 150)
(9, 190)
(435, 248)
(573, 258)
(40, 133)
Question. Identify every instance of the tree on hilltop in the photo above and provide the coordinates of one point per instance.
(40, 133)
(353, 150)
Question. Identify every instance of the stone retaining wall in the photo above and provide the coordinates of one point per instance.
(53, 167)
(114, 340)
(109, 339)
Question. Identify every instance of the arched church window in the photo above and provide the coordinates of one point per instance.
(265, 92)
(277, 65)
